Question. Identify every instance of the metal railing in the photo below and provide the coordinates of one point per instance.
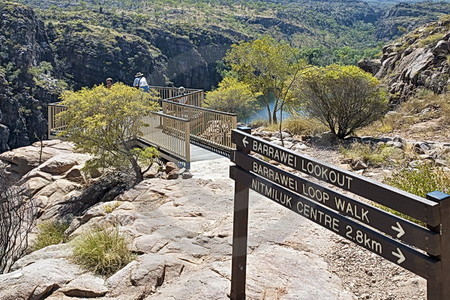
(193, 97)
(177, 125)
(55, 124)
(208, 127)
(168, 133)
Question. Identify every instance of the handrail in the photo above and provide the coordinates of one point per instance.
(202, 108)
(181, 121)
(208, 127)
(168, 133)
(189, 96)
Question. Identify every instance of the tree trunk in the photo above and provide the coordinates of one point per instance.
(269, 113)
(274, 117)
(137, 170)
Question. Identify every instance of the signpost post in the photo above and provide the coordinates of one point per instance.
(417, 248)
(240, 228)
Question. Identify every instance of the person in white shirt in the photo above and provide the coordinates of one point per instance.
(140, 82)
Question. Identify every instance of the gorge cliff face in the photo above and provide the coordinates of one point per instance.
(38, 61)
(420, 60)
(24, 46)
(65, 45)
(405, 17)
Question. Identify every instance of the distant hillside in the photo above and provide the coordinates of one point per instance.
(405, 17)
(59, 44)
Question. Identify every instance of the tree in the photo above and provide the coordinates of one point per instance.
(268, 67)
(17, 216)
(102, 121)
(233, 96)
(344, 98)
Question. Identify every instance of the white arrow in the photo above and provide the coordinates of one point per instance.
(244, 141)
(399, 255)
(399, 229)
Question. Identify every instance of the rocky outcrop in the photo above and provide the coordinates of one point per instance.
(405, 17)
(180, 232)
(417, 61)
(371, 66)
(83, 55)
(24, 45)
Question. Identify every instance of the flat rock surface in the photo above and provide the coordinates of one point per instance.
(181, 231)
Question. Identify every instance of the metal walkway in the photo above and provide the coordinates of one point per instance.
(183, 131)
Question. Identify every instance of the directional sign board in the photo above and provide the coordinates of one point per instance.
(379, 219)
(373, 241)
(325, 200)
(412, 205)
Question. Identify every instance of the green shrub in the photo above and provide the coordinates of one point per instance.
(102, 251)
(308, 126)
(259, 123)
(421, 180)
(50, 233)
(373, 155)
(431, 39)
(110, 207)
(345, 98)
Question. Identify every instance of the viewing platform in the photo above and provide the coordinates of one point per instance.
(182, 130)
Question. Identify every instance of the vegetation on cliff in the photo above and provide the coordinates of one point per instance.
(101, 121)
(72, 44)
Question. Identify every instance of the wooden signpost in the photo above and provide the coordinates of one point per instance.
(424, 250)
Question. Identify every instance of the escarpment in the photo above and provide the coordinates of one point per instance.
(419, 60)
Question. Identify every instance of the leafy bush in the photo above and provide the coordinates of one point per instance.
(344, 98)
(373, 155)
(102, 251)
(110, 207)
(50, 233)
(418, 181)
(259, 123)
(233, 96)
(299, 126)
(421, 180)
(101, 121)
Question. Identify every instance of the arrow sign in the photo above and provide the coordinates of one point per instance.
(399, 229)
(399, 255)
(244, 141)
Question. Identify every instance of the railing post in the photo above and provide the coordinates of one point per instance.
(438, 283)
(49, 120)
(240, 229)
(187, 127)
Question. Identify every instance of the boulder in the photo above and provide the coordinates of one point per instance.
(171, 166)
(85, 286)
(35, 184)
(186, 175)
(371, 66)
(152, 172)
(358, 165)
(37, 280)
(442, 48)
(75, 175)
(23, 160)
(172, 170)
(60, 164)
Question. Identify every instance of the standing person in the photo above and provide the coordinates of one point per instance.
(182, 92)
(109, 82)
(140, 82)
